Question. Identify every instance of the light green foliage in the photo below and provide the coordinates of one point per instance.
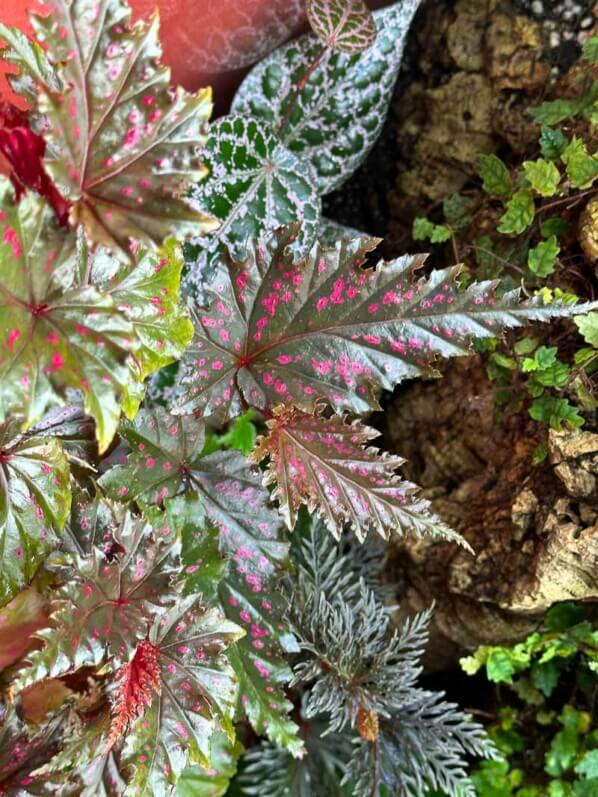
(435, 233)
(543, 176)
(495, 175)
(563, 738)
(555, 412)
(582, 168)
(588, 327)
(542, 258)
(519, 214)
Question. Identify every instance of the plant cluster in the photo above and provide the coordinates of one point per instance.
(548, 737)
(532, 209)
(149, 557)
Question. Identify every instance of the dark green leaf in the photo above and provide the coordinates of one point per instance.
(495, 175)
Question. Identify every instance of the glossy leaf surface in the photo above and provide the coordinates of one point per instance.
(327, 464)
(254, 183)
(34, 504)
(121, 144)
(106, 605)
(197, 697)
(326, 328)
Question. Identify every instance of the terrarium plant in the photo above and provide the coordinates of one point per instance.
(161, 590)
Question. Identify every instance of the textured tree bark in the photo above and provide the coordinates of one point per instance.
(534, 529)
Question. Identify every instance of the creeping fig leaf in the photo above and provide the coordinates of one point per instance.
(254, 183)
(122, 145)
(326, 328)
(344, 25)
(327, 464)
(197, 697)
(34, 504)
(106, 605)
(329, 116)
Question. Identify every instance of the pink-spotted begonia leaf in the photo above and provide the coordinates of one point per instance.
(166, 460)
(326, 328)
(107, 603)
(69, 319)
(122, 145)
(35, 499)
(55, 333)
(83, 767)
(196, 699)
(344, 25)
(21, 754)
(327, 464)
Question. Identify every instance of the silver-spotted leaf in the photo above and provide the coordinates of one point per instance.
(121, 145)
(107, 603)
(344, 25)
(254, 183)
(196, 699)
(329, 116)
(55, 333)
(35, 499)
(166, 460)
(278, 332)
(328, 465)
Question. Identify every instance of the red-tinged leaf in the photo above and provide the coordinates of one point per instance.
(122, 145)
(55, 333)
(34, 504)
(81, 767)
(344, 25)
(328, 465)
(107, 604)
(74, 429)
(42, 700)
(197, 697)
(137, 682)
(166, 460)
(21, 755)
(24, 151)
(326, 328)
(19, 620)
